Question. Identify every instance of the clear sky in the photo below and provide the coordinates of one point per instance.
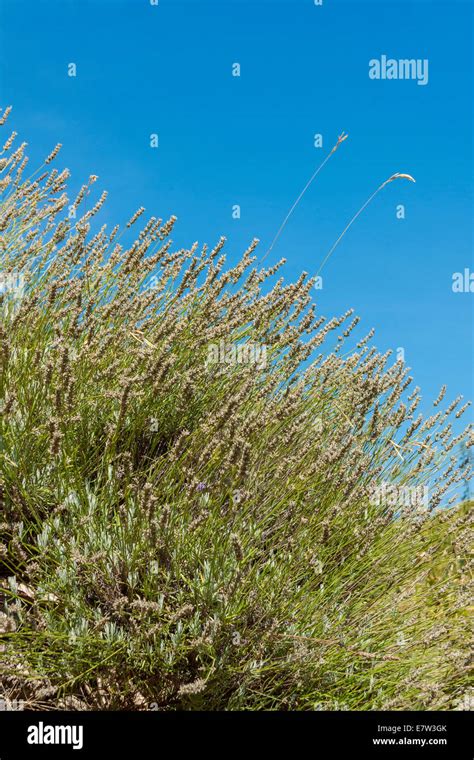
(249, 140)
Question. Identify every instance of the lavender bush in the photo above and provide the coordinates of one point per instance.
(184, 532)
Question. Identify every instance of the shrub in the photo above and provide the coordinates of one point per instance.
(203, 508)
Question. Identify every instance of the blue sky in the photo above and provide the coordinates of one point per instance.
(248, 140)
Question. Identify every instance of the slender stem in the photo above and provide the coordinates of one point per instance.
(349, 224)
(347, 227)
(340, 139)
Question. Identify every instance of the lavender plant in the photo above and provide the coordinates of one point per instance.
(183, 531)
